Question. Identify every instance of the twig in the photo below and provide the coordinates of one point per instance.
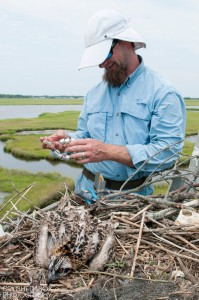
(160, 230)
(126, 221)
(24, 258)
(186, 272)
(120, 276)
(21, 197)
(147, 160)
(170, 211)
(141, 211)
(162, 213)
(122, 247)
(15, 197)
(27, 284)
(91, 282)
(173, 244)
(169, 251)
(138, 244)
(186, 242)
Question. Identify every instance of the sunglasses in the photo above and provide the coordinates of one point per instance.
(111, 50)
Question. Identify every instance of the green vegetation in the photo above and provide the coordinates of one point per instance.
(68, 120)
(40, 101)
(191, 101)
(160, 189)
(46, 189)
(187, 149)
(65, 120)
(29, 147)
(47, 186)
(192, 126)
(58, 100)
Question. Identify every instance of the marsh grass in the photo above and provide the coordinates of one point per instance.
(46, 189)
(160, 189)
(64, 101)
(29, 147)
(187, 150)
(192, 102)
(63, 120)
(40, 101)
(68, 120)
(192, 126)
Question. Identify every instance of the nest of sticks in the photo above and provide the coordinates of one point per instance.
(150, 247)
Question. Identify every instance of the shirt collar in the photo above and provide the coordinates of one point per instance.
(136, 73)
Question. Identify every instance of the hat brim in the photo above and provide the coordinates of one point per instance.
(95, 54)
(130, 35)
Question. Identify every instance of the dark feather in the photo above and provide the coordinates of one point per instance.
(69, 238)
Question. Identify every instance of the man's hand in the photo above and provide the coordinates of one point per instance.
(91, 150)
(54, 140)
(87, 150)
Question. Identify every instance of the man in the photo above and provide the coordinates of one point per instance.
(133, 122)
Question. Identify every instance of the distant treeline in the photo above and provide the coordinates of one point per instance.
(55, 97)
(43, 96)
(189, 98)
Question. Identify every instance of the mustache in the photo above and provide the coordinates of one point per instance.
(116, 77)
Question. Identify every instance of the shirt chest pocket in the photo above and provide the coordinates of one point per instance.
(138, 110)
(136, 120)
(97, 123)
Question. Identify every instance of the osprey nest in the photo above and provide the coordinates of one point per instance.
(125, 246)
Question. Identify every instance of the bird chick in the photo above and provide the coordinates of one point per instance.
(71, 238)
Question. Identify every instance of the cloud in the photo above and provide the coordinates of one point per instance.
(42, 42)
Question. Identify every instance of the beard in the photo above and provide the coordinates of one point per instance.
(116, 77)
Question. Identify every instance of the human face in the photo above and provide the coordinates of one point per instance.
(115, 66)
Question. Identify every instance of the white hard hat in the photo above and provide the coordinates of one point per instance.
(103, 27)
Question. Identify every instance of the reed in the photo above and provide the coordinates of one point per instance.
(46, 189)
(41, 101)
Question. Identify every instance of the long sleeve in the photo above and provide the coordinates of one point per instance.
(166, 132)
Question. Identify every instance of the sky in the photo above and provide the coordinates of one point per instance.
(42, 41)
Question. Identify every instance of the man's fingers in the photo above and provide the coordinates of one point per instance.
(80, 157)
(79, 142)
(77, 148)
(79, 145)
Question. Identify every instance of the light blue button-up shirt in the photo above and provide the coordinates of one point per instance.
(146, 114)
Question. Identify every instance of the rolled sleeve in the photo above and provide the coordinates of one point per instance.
(166, 135)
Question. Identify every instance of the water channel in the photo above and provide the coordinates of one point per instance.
(30, 111)
(10, 162)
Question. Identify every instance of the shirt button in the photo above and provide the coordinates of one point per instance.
(117, 175)
(117, 134)
(117, 114)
